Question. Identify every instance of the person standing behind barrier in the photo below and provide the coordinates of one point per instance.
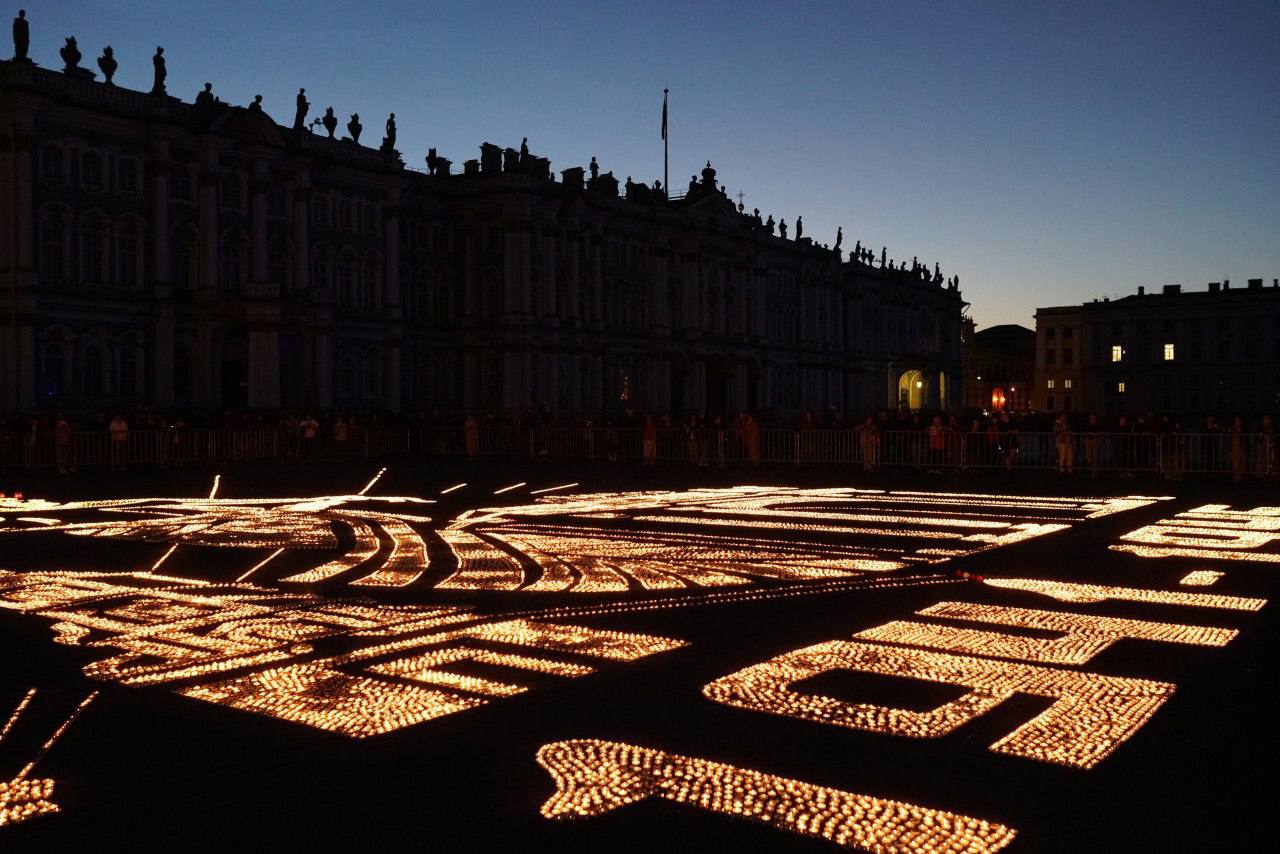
(649, 441)
(1062, 440)
(62, 445)
(867, 443)
(1266, 450)
(751, 438)
(1123, 443)
(310, 429)
(937, 444)
(1009, 428)
(471, 436)
(717, 438)
(118, 430)
(341, 433)
(1236, 448)
(1090, 431)
(1211, 444)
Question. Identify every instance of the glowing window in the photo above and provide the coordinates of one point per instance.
(1066, 383)
(1168, 352)
(1120, 387)
(1048, 383)
(1117, 352)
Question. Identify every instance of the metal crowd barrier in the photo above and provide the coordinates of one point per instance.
(1169, 454)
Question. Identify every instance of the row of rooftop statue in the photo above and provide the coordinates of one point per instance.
(492, 158)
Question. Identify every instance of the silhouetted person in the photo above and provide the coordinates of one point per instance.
(70, 54)
(107, 62)
(432, 161)
(354, 127)
(657, 186)
(693, 184)
(300, 115)
(595, 168)
(799, 227)
(390, 141)
(21, 36)
(782, 229)
(839, 237)
(524, 150)
(857, 252)
(157, 87)
(330, 122)
(256, 106)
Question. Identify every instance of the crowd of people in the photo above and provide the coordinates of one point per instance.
(1165, 444)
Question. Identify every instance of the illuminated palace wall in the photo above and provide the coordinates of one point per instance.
(206, 256)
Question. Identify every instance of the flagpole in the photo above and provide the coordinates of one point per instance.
(666, 177)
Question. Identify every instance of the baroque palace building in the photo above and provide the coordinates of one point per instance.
(201, 255)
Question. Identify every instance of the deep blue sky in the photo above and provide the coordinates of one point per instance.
(1048, 153)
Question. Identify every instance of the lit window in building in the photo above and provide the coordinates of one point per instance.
(1117, 352)
(1066, 383)
(1048, 384)
(1168, 352)
(1120, 387)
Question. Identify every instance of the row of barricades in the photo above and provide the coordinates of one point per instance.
(1170, 454)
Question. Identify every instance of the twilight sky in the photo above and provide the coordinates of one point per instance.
(1047, 152)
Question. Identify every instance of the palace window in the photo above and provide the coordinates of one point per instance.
(1168, 352)
(54, 370)
(94, 373)
(127, 175)
(1120, 387)
(52, 169)
(180, 184)
(1066, 383)
(53, 246)
(231, 196)
(1048, 384)
(93, 254)
(91, 170)
(1117, 353)
(127, 249)
(128, 372)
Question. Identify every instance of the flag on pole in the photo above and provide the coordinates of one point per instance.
(664, 113)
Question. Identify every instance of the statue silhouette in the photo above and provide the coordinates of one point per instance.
(70, 54)
(389, 142)
(768, 226)
(839, 236)
(107, 62)
(595, 168)
(524, 150)
(883, 254)
(300, 116)
(799, 227)
(256, 106)
(21, 36)
(206, 95)
(330, 121)
(782, 229)
(857, 252)
(157, 87)
(354, 127)
(432, 161)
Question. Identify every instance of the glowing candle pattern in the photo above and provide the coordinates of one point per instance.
(1212, 532)
(1201, 578)
(1068, 591)
(593, 777)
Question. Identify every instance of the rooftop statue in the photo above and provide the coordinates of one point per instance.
(883, 254)
(768, 225)
(524, 149)
(354, 127)
(799, 227)
(657, 185)
(839, 236)
(389, 141)
(432, 161)
(300, 116)
(937, 272)
(594, 167)
(107, 62)
(157, 86)
(782, 229)
(205, 95)
(256, 106)
(21, 36)
(693, 184)
(330, 121)
(70, 54)
(857, 250)
(510, 160)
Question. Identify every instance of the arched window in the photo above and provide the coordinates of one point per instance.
(52, 168)
(129, 181)
(181, 373)
(54, 370)
(129, 364)
(94, 372)
(129, 254)
(320, 209)
(231, 196)
(93, 251)
(281, 264)
(232, 263)
(53, 246)
(346, 279)
(320, 269)
(183, 269)
(91, 170)
(370, 273)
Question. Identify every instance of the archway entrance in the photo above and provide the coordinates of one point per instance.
(911, 390)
